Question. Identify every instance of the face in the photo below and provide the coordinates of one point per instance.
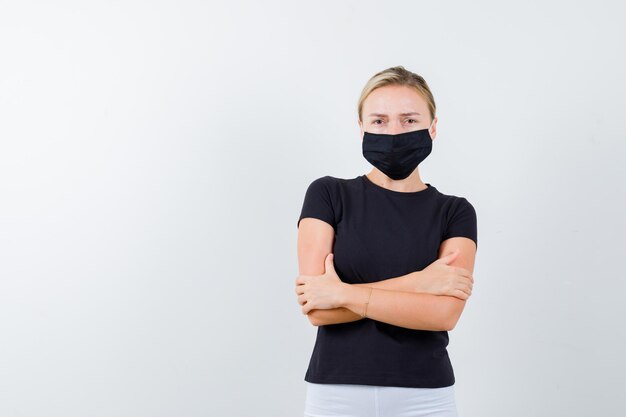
(396, 109)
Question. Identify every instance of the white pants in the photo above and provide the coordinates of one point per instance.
(348, 400)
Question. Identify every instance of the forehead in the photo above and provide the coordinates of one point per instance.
(394, 99)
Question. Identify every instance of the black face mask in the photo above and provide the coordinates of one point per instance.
(398, 155)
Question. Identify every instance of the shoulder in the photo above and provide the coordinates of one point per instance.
(329, 179)
(323, 200)
(322, 186)
(454, 202)
(324, 181)
(462, 204)
(459, 217)
(330, 184)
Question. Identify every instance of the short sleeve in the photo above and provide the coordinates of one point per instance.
(462, 221)
(318, 202)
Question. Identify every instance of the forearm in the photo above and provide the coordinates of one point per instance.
(405, 309)
(320, 317)
(401, 283)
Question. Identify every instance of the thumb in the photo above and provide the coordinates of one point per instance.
(328, 262)
(449, 257)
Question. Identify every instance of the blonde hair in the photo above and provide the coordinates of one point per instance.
(398, 76)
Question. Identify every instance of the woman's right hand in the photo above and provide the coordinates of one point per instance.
(439, 278)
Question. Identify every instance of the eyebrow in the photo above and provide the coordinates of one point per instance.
(401, 114)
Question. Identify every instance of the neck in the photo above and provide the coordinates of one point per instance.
(410, 184)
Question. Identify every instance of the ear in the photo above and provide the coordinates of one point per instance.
(433, 128)
(361, 127)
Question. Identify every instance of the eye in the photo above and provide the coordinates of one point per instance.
(414, 121)
(377, 120)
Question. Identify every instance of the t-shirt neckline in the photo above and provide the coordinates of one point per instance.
(420, 193)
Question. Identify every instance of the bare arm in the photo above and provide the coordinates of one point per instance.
(320, 317)
(407, 308)
(315, 241)
(410, 309)
(404, 309)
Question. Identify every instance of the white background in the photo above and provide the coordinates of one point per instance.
(153, 162)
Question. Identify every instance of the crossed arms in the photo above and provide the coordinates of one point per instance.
(418, 300)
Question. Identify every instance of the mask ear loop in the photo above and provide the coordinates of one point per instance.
(430, 127)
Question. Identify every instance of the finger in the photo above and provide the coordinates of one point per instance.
(460, 294)
(448, 258)
(306, 308)
(468, 283)
(458, 270)
(467, 279)
(468, 274)
(464, 286)
(464, 273)
(328, 263)
(458, 286)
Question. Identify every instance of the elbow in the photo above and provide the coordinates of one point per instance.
(451, 322)
(445, 324)
(453, 314)
(313, 319)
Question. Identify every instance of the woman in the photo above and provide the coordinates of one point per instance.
(386, 265)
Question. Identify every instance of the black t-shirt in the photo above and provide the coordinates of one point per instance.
(380, 234)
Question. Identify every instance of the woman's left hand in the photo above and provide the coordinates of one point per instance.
(320, 291)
